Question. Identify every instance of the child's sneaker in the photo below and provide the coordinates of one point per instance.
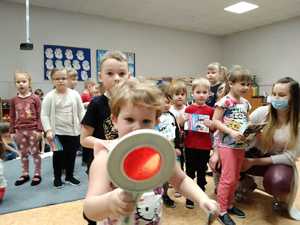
(72, 180)
(58, 183)
(189, 204)
(168, 202)
(236, 211)
(226, 219)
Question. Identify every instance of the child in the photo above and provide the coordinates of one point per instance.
(169, 128)
(26, 127)
(179, 97)
(198, 144)
(9, 147)
(62, 111)
(134, 106)
(2, 178)
(213, 75)
(231, 112)
(87, 94)
(97, 120)
(72, 78)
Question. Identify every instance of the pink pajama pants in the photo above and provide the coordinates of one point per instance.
(231, 160)
(28, 143)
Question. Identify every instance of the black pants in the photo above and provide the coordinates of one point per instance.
(87, 157)
(65, 159)
(196, 165)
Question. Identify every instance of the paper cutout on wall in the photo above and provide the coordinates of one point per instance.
(56, 56)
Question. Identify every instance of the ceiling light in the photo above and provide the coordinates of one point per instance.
(241, 7)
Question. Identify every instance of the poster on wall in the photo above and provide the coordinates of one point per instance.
(56, 56)
(130, 57)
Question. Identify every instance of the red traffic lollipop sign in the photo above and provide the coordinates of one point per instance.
(142, 160)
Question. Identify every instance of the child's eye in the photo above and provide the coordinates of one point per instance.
(129, 119)
(147, 122)
(122, 74)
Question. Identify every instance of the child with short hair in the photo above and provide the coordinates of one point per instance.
(214, 77)
(134, 106)
(62, 111)
(198, 141)
(97, 120)
(169, 128)
(9, 147)
(26, 127)
(72, 78)
(231, 113)
(87, 94)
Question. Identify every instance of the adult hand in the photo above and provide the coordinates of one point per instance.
(247, 164)
(49, 136)
(237, 136)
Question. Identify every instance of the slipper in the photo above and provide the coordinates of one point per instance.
(22, 179)
(36, 180)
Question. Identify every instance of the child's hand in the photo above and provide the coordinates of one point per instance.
(49, 136)
(237, 136)
(209, 123)
(211, 206)
(177, 152)
(121, 203)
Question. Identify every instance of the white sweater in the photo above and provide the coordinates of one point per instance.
(49, 109)
(279, 153)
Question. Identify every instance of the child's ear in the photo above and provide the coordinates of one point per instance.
(114, 119)
(99, 75)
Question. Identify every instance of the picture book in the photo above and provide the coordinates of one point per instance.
(195, 122)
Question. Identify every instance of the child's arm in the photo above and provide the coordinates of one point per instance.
(86, 138)
(101, 201)
(191, 190)
(217, 120)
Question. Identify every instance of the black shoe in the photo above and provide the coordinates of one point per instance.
(189, 204)
(22, 180)
(72, 180)
(168, 202)
(236, 211)
(36, 180)
(226, 219)
(58, 183)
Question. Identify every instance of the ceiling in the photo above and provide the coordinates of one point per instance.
(204, 16)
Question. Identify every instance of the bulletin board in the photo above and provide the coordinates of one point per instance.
(130, 57)
(60, 57)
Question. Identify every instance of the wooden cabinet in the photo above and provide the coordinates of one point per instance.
(255, 101)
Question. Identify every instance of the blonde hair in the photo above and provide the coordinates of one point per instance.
(137, 93)
(293, 116)
(117, 55)
(165, 89)
(55, 70)
(28, 76)
(203, 82)
(214, 66)
(177, 86)
(88, 83)
(238, 73)
(72, 73)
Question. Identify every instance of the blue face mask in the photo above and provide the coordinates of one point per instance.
(280, 103)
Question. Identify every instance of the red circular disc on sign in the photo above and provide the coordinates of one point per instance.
(142, 163)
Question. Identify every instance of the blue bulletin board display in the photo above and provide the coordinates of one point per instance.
(130, 57)
(60, 57)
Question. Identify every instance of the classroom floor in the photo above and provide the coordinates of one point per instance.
(258, 210)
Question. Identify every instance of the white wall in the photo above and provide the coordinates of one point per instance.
(159, 51)
(271, 52)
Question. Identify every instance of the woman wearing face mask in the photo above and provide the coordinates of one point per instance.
(278, 146)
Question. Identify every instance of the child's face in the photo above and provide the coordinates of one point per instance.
(134, 117)
(200, 94)
(22, 83)
(72, 82)
(239, 88)
(212, 76)
(59, 80)
(5, 137)
(179, 98)
(167, 105)
(112, 71)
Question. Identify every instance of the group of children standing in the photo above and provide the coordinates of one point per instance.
(127, 105)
